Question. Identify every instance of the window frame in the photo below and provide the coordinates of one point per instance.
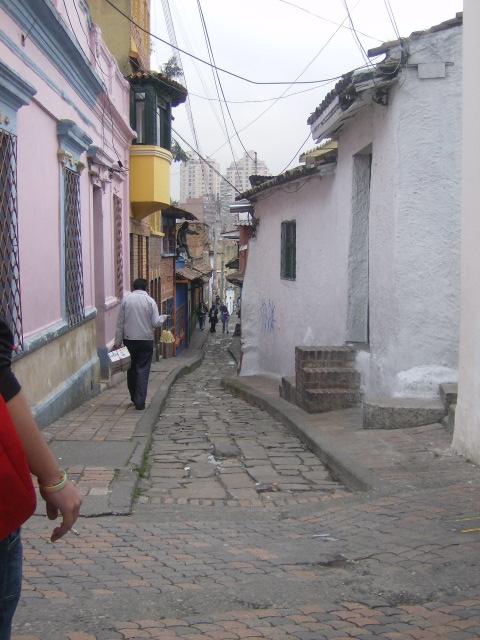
(288, 250)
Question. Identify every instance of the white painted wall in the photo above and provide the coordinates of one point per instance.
(466, 439)
(413, 242)
(414, 226)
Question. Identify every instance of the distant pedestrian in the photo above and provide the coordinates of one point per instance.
(23, 450)
(202, 315)
(225, 317)
(213, 317)
(137, 319)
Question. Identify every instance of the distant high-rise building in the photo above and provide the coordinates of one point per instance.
(238, 174)
(199, 179)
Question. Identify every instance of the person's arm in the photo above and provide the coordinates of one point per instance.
(44, 466)
(157, 319)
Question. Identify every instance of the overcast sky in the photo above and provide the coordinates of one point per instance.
(271, 40)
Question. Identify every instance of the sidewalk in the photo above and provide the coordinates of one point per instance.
(103, 442)
(373, 460)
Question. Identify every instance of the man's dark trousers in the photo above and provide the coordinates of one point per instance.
(141, 352)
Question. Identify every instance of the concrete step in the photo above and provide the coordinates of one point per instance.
(321, 400)
(328, 377)
(449, 420)
(288, 390)
(324, 356)
(400, 413)
(448, 393)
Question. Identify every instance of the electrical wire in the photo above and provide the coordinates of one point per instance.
(109, 102)
(172, 35)
(322, 48)
(356, 37)
(204, 24)
(297, 152)
(391, 15)
(282, 97)
(230, 73)
(218, 87)
(205, 160)
(344, 26)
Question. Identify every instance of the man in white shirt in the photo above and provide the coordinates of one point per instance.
(137, 319)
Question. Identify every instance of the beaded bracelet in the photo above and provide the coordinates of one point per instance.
(53, 488)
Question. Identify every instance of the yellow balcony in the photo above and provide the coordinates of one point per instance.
(149, 179)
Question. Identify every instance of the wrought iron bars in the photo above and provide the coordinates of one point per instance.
(10, 299)
(74, 295)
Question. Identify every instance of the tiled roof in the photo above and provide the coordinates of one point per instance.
(447, 24)
(302, 171)
(174, 90)
(235, 278)
(317, 155)
(191, 273)
(255, 180)
(346, 89)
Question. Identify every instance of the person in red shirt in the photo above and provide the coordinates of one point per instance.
(61, 496)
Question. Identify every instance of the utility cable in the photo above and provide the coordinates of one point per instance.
(206, 161)
(209, 44)
(322, 48)
(230, 73)
(282, 97)
(344, 26)
(356, 37)
(216, 79)
(172, 35)
(297, 152)
(107, 96)
(391, 15)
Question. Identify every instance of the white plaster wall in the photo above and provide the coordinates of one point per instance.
(466, 439)
(278, 315)
(413, 241)
(414, 226)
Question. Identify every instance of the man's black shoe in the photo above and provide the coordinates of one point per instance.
(139, 407)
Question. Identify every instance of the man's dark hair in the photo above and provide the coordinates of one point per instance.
(139, 283)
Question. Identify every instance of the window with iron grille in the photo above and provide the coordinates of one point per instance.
(288, 256)
(74, 296)
(10, 303)
(118, 245)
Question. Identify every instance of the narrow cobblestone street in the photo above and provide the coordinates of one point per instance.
(240, 532)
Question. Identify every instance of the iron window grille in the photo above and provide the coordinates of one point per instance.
(118, 245)
(288, 261)
(74, 293)
(10, 298)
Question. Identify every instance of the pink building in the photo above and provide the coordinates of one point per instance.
(64, 201)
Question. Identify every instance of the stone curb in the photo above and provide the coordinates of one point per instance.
(341, 463)
(126, 481)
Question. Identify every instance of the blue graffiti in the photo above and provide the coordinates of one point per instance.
(267, 316)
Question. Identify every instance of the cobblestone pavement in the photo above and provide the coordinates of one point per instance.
(213, 447)
(222, 566)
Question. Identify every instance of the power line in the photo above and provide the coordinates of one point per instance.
(322, 48)
(206, 161)
(355, 36)
(216, 80)
(282, 97)
(109, 102)
(344, 26)
(391, 15)
(297, 152)
(172, 35)
(230, 73)
(209, 44)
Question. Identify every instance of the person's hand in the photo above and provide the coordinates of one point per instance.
(66, 502)
(117, 345)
